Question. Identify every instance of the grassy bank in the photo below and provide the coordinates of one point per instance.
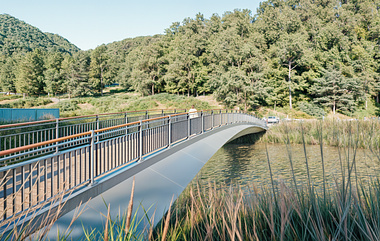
(109, 103)
(125, 102)
(362, 134)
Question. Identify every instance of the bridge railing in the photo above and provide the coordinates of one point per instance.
(95, 153)
(27, 133)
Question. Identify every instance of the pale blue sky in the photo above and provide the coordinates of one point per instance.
(90, 23)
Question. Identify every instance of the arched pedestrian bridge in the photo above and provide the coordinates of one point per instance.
(163, 153)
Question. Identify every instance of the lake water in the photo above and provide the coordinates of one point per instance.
(241, 164)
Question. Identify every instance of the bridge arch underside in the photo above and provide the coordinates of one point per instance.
(158, 179)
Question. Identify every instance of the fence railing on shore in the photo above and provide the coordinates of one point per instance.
(95, 153)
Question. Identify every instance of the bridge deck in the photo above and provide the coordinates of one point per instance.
(158, 179)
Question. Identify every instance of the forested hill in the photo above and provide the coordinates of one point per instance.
(17, 36)
(327, 53)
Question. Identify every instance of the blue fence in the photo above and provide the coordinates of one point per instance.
(15, 115)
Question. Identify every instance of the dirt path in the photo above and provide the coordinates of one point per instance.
(160, 105)
(7, 101)
(55, 101)
(211, 101)
(85, 106)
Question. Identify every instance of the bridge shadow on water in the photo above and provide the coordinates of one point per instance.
(233, 161)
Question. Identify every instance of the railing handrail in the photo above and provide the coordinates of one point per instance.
(39, 144)
(79, 117)
(35, 145)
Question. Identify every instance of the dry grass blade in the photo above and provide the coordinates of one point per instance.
(167, 221)
(151, 228)
(106, 227)
(130, 208)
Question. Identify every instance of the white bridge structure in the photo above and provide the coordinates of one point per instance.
(73, 160)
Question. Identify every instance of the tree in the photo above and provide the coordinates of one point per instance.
(336, 91)
(7, 76)
(290, 50)
(75, 72)
(98, 67)
(53, 76)
(30, 74)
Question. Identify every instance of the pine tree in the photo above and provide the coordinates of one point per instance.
(98, 68)
(336, 91)
(30, 74)
(53, 77)
(7, 76)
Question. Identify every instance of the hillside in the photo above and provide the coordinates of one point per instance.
(18, 36)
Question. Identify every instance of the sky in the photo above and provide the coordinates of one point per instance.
(88, 24)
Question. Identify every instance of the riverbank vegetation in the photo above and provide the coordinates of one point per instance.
(333, 132)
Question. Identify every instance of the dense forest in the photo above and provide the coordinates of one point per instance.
(317, 55)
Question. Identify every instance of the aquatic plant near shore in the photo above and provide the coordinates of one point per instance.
(335, 133)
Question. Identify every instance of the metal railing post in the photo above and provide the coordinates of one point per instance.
(57, 133)
(220, 113)
(188, 126)
(126, 122)
(228, 117)
(140, 141)
(202, 121)
(92, 166)
(212, 119)
(170, 132)
(97, 126)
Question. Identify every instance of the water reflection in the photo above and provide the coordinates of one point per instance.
(243, 164)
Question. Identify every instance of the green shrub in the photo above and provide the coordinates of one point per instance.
(311, 109)
(67, 105)
(26, 103)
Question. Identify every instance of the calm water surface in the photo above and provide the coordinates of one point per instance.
(244, 164)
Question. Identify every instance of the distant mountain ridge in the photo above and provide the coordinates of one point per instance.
(17, 36)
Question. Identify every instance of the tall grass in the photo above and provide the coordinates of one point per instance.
(335, 133)
(344, 210)
(26, 103)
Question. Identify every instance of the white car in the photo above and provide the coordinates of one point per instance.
(272, 120)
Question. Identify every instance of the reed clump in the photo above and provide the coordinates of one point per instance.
(345, 209)
(335, 132)
(219, 213)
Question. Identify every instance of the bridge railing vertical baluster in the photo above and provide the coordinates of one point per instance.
(202, 121)
(140, 141)
(228, 117)
(57, 132)
(188, 126)
(126, 122)
(92, 155)
(212, 119)
(97, 126)
(170, 131)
